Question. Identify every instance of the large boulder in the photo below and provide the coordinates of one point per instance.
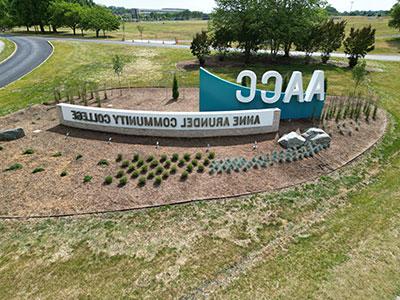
(321, 139)
(292, 140)
(312, 132)
(12, 134)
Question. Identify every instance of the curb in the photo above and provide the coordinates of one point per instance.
(12, 54)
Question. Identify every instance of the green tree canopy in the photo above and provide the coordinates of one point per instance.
(395, 16)
(359, 43)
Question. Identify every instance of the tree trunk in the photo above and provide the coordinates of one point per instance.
(97, 33)
(287, 49)
(54, 29)
(74, 29)
(42, 30)
(27, 28)
(82, 32)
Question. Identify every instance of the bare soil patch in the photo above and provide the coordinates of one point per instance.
(46, 193)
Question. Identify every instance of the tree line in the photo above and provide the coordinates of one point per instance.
(280, 26)
(75, 14)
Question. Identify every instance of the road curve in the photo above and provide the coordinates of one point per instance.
(30, 53)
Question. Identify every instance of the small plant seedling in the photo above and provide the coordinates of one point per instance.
(125, 164)
(198, 156)
(189, 168)
(211, 155)
(28, 151)
(142, 181)
(78, 157)
(200, 169)
(206, 162)
(64, 173)
(159, 170)
(165, 175)
(14, 167)
(140, 163)
(144, 169)
(135, 174)
(150, 175)
(186, 157)
(167, 164)
(163, 158)
(108, 180)
(184, 175)
(103, 163)
(175, 157)
(174, 169)
(38, 170)
(158, 180)
(195, 162)
(87, 179)
(119, 158)
(123, 181)
(136, 157)
(150, 158)
(131, 168)
(120, 174)
(57, 154)
(154, 164)
(181, 163)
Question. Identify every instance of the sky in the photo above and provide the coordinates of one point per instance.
(207, 5)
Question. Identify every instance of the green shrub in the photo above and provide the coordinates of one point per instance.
(159, 170)
(108, 180)
(189, 168)
(123, 181)
(165, 175)
(28, 151)
(206, 162)
(119, 158)
(157, 180)
(78, 157)
(175, 157)
(174, 169)
(181, 163)
(120, 173)
(175, 88)
(142, 181)
(64, 173)
(195, 162)
(149, 158)
(14, 167)
(131, 168)
(38, 170)
(184, 175)
(87, 179)
(167, 164)
(125, 164)
(186, 156)
(150, 175)
(163, 158)
(154, 164)
(198, 155)
(135, 174)
(211, 155)
(144, 169)
(136, 157)
(103, 163)
(200, 169)
(57, 154)
(140, 163)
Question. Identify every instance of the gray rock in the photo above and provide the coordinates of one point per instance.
(312, 132)
(12, 134)
(322, 139)
(292, 140)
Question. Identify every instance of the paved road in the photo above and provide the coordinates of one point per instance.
(31, 52)
(393, 58)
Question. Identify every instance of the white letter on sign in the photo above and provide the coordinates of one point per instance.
(316, 87)
(295, 88)
(253, 86)
(278, 87)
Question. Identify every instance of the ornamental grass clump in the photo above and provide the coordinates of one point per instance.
(174, 169)
(103, 163)
(119, 158)
(175, 157)
(186, 157)
(28, 151)
(195, 162)
(14, 167)
(120, 174)
(206, 162)
(154, 164)
(163, 158)
(189, 168)
(198, 155)
(108, 180)
(142, 181)
(157, 181)
(151, 175)
(165, 175)
(167, 164)
(159, 170)
(144, 169)
(38, 170)
(136, 157)
(184, 175)
(131, 168)
(200, 169)
(140, 163)
(87, 179)
(149, 158)
(181, 163)
(123, 181)
(211, 155)
(125, 164)
(135, 174)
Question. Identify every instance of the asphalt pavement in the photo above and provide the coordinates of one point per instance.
(31, 52)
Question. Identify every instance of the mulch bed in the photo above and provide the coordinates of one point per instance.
(48, 194)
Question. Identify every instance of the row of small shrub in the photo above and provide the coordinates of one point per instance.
(241, 164)
(352, 108)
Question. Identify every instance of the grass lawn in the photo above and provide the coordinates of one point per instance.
(336, 238)
(9, 48)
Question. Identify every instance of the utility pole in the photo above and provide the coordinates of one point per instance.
(351, 6)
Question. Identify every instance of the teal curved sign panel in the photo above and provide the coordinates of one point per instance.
(217, 94)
